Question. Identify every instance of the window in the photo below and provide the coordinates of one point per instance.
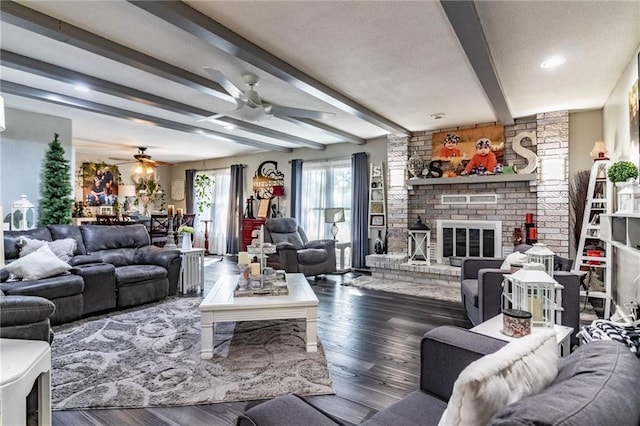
(325, 184)
(217, 213)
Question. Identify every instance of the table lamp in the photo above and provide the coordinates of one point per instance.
(334, 215)
(278, 191)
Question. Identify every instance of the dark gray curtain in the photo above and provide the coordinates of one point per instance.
(359, 209)
(295, 194)
(235, 208)
(189, 196)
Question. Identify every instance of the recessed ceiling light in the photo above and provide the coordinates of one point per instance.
(81, 88)
(437, 115)
(554, 61)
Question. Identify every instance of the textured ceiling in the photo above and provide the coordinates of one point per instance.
(396, 60)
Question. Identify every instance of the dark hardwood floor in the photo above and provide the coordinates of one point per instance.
(371, 341)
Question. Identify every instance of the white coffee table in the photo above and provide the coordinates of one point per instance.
(220, 305)
(493, 326)
(22, 363)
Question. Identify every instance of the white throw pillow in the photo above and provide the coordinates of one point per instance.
(42, 263)
(516, 258)
(63, 248)
(519, 369)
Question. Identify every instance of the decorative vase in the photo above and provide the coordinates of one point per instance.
(415, 166)
(186, 242)
(378, 245)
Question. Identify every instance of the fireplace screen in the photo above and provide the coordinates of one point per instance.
(468, 239)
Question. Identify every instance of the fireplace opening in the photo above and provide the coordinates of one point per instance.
(467, 238)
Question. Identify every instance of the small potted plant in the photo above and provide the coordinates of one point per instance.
(621, 171)
(185, 232)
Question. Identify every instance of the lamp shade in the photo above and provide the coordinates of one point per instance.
(334, 215)
(599, 150)
(278, 190)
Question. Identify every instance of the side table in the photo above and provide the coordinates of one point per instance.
(23, 362)
(192, 269)
(341, 266)
(493, 327)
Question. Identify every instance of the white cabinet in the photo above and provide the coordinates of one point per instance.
(622, 230)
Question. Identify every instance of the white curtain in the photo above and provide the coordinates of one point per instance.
(331, 183)
(216, 214)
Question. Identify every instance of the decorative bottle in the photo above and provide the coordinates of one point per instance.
(377, 248)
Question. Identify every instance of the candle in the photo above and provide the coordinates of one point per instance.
(180, 212)
(243, 258)
(529, 219)
(255, 269)
(170, 209)
(535, 307)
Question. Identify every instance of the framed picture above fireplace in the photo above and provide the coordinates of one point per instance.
(469, 151)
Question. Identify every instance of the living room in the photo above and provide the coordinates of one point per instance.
(565, 134)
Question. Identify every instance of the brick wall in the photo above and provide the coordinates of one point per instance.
(548, 199)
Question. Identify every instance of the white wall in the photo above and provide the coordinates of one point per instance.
(22, 150)
(616, 116)
(617, 136)
(585, 128)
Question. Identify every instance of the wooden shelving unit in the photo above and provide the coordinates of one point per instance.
(594, 249)
(377, 199)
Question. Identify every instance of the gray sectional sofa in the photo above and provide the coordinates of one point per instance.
(113, 267)
(595, 385)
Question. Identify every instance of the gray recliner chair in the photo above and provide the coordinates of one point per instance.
(295, 253)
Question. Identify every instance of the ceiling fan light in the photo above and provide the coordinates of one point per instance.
(149, 170)
(138, 169)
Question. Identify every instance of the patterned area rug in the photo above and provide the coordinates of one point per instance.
(150, 356)
(431, 291)
(587, 312)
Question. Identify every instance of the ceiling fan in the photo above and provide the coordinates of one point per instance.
(145, 164)
(249, 105)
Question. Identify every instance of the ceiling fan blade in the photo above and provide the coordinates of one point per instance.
(211, 117)
(227, 85)
(279, 110)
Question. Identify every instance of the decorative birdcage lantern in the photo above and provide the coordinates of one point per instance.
(23, 214)
(540, 253)
(629, 197)
(533, 290)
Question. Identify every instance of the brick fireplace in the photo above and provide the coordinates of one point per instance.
(547, 199)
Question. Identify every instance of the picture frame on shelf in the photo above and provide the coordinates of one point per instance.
(376, 208)
(263, 208)
(377, 220)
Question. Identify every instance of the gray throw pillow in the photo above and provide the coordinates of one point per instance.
(62, 248)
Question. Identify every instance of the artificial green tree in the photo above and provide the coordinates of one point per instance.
(56, 202)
